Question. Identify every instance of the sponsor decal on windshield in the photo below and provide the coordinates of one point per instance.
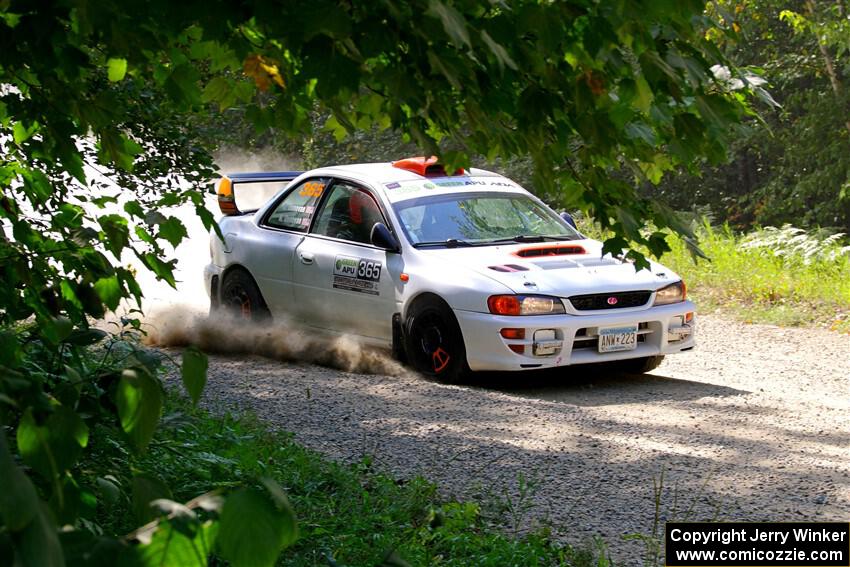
(400, 188)
(360, 275)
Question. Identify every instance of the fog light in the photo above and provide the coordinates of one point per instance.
(511, 333)
(519, 349)
(546, 343)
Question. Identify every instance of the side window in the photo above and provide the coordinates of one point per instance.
(296, 209)
(348, 213)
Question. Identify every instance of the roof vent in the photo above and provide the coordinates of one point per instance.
(425, 167)
(557, 250)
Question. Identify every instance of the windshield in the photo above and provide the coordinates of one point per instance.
(478, 219)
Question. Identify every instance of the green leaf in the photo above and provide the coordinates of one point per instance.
(18, 500)
(56, 329)
(86, 337)
(21, 133)
(255, 529)
(139, 400)
(10, 350)
(643, 96)
(118, 149)
(333, 125)
(38, 544)
(110, 493)
(134, 208)
(146, 489)
(217, 90)
(453, 22)
(181, 84)
(116, 233)
(110, 291)
(54, 446)
(173, 231)
(9, 18)
(194, 372)
(501, 54)
(163, 270)
(116, 69)
(169, 546)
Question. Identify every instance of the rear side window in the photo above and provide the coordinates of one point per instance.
(296, 209)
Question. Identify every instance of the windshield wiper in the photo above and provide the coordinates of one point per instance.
(532, 238)
(448, 243)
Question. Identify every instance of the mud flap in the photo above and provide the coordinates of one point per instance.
(214, 297)
(398, 339)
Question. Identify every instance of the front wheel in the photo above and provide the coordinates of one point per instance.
(433, 341)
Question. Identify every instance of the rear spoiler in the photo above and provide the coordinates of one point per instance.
(226, 187)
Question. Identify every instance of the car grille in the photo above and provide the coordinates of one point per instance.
(616, 300)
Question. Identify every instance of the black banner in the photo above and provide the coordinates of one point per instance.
(768, 544)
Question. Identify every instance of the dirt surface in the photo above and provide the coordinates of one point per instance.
(754, 425)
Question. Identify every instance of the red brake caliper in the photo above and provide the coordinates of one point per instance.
(246, 309)
(440, 359)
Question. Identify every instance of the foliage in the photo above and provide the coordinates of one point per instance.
(348, 514)
(85, 424)
(793, 167)
(797, 245)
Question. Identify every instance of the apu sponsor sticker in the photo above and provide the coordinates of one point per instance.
(357, 274)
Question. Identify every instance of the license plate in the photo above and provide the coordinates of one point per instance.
(615, 339)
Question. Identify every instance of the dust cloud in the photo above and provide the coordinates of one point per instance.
(236, 160)
(181, 327)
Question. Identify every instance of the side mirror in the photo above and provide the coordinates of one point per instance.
(383, 238)
(568, 218)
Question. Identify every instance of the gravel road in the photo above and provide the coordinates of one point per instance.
(754, 425)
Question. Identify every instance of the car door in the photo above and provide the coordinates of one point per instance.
(343, 282)
(282, 229)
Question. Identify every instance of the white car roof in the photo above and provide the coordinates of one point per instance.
(400, 184)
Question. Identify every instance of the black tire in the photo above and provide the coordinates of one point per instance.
(433, 342)
(241, 298)
(640, 365)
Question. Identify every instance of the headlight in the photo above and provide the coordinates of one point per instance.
(673, 293)
(525, 305)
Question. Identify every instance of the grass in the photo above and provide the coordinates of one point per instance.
(347, 514)
(778, 276)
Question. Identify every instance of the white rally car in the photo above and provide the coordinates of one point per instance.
(454, 271)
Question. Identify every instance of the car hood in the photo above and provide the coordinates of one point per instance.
(561, 269)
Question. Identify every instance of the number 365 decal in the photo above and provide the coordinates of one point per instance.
(357, 274)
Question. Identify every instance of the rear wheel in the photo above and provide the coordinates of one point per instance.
(433, 341)
(241, 298)
(639, 365)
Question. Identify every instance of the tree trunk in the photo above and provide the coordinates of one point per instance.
(827, 59)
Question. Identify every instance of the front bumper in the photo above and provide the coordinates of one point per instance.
(662, 330)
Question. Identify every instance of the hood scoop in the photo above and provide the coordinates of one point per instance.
(553, 250)
(509, 268)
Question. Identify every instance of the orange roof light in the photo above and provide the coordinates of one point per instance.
(425, 166)
(226, 199)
